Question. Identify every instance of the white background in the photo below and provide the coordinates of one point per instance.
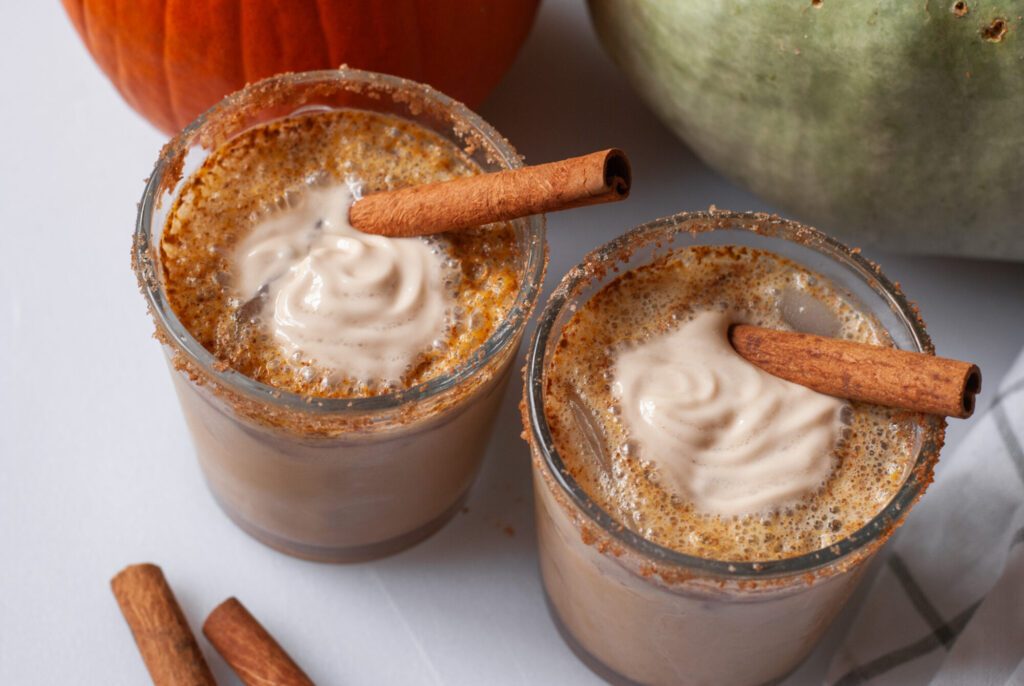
(96, 467)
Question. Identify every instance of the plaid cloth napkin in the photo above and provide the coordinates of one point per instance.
(947, 605)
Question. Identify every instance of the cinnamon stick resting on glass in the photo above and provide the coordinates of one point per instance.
(599, 177)
(860, 371)
(846, 369)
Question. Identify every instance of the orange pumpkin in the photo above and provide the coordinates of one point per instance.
(172, 59)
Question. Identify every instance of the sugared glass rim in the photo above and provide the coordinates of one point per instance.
(506, 334)
(605, 258)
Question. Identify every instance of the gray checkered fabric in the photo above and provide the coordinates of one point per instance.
(947, 604)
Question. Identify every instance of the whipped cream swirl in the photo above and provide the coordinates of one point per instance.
(720, 432)
(362, 306)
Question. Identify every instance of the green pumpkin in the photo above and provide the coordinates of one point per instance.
(898, 124)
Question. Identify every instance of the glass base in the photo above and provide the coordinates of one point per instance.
(600, 668)
(585, 656)
(361, 553)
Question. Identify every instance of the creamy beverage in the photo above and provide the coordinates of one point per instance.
(270, 277)
(754, 469)
(699, 520)
(340, 387)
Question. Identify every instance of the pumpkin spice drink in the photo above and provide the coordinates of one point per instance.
(339, 387)
(701, 521)
(268, 277)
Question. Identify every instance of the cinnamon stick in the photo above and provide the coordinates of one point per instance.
(161, 631)
(250, 649)
(859, 371)
(599, 177)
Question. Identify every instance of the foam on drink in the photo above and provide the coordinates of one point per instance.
(866, 466)
(263, 270)
(719, 431)
(341, 299)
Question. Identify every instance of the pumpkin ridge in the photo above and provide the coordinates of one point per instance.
(76, 14)
(281, 48)
(176, 115)
(323, 31)
(86, 37)
(421, 51)
(93, 43)
(99, 37)
(246, 68)
(119, 63)
(139, 37)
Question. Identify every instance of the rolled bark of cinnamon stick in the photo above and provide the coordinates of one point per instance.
(167, 645)
(599, 177)
(860, 371)
(252, 652)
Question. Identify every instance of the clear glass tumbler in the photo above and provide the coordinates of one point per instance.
(336, 479)
(637, 612)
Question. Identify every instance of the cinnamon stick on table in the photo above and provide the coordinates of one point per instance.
(161, 632)
(859, 371)
(251, 651)
(599, 177)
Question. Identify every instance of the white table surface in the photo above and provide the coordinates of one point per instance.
(96, 467)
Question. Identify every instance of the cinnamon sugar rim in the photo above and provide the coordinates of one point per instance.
(473, 135)
(657, 236)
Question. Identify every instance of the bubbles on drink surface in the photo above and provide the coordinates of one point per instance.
(867, 466)
(273, 169)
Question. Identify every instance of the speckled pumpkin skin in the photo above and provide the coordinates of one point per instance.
(897, 124)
